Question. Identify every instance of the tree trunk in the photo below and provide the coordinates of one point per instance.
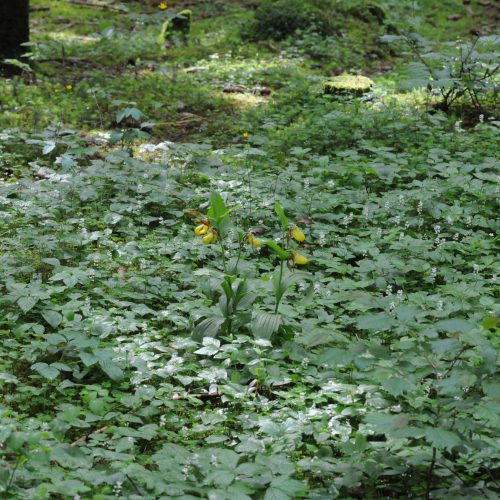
(14, 29)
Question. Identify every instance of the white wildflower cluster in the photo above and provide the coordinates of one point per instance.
(322, 239)
(438, 241)
(347, 219)
(475, 268)
(420, 207)
(117, 488)
(434, 273)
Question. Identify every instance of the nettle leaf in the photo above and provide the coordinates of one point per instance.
(8, 378)
(133, 113)
(46, 371)
(265, 324)
(71, 457)
(108, 366)
(276, 494)
(48, 147)
(27, 303)
(455, 325)
(384, 423)
(334, 356)
(397, 386)
(377, 322)
(442, 439)
(53, 318)
(220, 477)
(289, 486)
(211, 347)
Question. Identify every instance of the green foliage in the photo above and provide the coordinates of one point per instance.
(136, 361)
(278, 19)
(464, 72)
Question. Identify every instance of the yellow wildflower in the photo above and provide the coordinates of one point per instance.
(69, 87)
(297, 234)
(163, 6)
(201, 229)
(209, 237)
(255, 242)
(245, 135)
(299, 259)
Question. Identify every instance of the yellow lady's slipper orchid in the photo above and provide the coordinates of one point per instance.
(209, 237)
(255, 242)
(299, 259)
(201, 229)
(297, 234)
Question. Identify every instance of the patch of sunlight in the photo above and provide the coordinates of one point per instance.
(71, 37)
(244, 101)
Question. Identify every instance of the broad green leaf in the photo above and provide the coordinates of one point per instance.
(53, 318)
(397, 386)
(276, 494)
(384, 423)
(27, 303)
(111, 369)
(265, 324)
(71, 457)
(376, 322)
(281, 214)
(46, 371)
(455, 325)
(442, 438)
(209, 327)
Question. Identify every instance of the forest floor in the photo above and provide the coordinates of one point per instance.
(218, 281)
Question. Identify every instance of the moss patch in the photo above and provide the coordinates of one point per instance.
(348, 85)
